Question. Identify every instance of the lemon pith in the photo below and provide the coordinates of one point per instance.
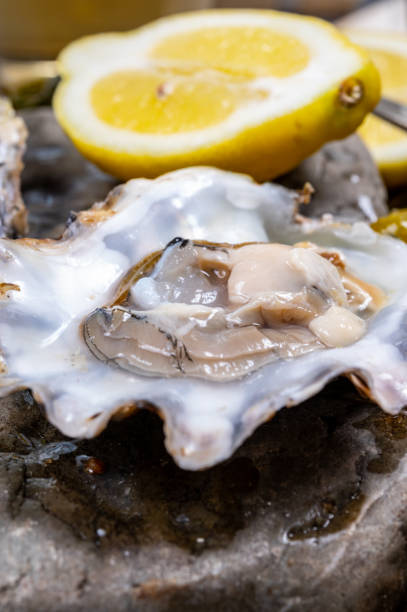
(387, 143)
(245, 90)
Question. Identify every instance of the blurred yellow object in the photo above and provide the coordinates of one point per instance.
(394, 224)
(388, 144)
(244, 90)
(28, 83)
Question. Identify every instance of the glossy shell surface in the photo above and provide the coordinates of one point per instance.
(55, 285)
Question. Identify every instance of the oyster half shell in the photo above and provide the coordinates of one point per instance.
(52, 288)
(13, 135)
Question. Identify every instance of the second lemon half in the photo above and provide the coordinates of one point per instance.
(244, 90)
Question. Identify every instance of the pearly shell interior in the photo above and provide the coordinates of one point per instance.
(51, 287)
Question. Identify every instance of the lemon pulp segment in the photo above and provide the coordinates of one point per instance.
(376, 132)
(393, 71)
(387, 143)
(208, 76)
(169, 102)
(251, 51)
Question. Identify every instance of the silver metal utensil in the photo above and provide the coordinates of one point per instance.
(393, 112)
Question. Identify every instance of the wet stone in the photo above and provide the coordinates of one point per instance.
(309, 514)
(345, 180)
(296, 515)
(56, 180)
(93, 465)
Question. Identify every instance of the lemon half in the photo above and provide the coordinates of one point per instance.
(388, 144)
(252, 91)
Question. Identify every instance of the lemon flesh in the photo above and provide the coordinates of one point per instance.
(245, 90)
(388, 144)
(250, 51)
(167, 103)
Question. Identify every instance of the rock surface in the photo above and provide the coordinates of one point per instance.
(309, 514)
(345, 179)
(56, 179)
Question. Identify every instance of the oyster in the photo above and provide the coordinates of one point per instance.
(111, 314)
(219, 313)
(13, 216)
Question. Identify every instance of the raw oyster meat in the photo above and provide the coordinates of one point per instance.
(71, 311)
(219, 313)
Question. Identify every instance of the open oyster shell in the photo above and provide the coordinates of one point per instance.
(13, 134)
(51, 288)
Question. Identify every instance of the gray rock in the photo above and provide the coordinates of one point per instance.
(346, 181)
(56, 180)
(310, 514)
